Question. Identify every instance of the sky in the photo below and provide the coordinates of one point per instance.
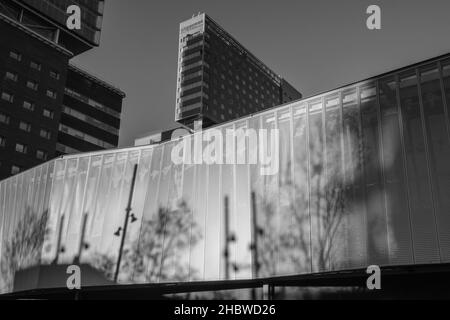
(316, 45)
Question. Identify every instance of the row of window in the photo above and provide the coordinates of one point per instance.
(28, 105)
(193, 96)
(92, 102)
(26, 126)
(257, 87)
(192, 43)
(186, 59)
(192, 76)
(194, 65)
(192, 86)
(265, 93)
(90, 120)
(65, 149)
(251, 66)
(23, 148)
(33, 64)
(86, 137)
(31, 84)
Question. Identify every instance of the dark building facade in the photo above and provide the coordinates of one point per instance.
(33, 72)
(35, 49)
(220, 80)
(47, 18)
(90, 118)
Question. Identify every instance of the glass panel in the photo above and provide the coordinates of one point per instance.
(45, 204)
(287, 229)
(50, 251)
(191, 233)
(228, 187)
(197, 263)
(74, 214)
(268, 218)
(37, 186)
(91, 195)
(301, 233)
(439, 152)
(214, 221)
(317, 177)
(7, 274)
(446, 80)
(128, 255)
(422, 217)
(115, 210)
(242, 204)
(21, 197)
(100, 258)
(2, 224)
(397, 208)
(377, 245)
(68, 198)
(174, 213)
(151, 229)
(138, 251)
(354, 195)
(335, 223)
(257, 187)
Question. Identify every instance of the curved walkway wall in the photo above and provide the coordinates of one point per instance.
(360, 176)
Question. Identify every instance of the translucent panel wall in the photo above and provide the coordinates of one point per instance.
(24, 210)
(359, 176)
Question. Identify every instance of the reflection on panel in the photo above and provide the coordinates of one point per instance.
(397, 207)
(422, 212)
(438, 151)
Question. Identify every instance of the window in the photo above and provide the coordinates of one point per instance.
(21, 148)
(15, 55)
(11, 76)
(44, 133)
(84, 136)
(2, 141)
(4, 118)
(35, 65)
(7, 97)
(51, 93)
(54, 75)
(25, 126)
(41, 155)
(15, 169)
(47, 113)
(32, 85)
(28, 105)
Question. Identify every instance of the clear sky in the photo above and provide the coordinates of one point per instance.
(317, 45)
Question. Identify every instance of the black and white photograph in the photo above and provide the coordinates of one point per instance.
(234, 153)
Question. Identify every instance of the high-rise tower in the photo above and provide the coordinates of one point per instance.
(219, 79)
